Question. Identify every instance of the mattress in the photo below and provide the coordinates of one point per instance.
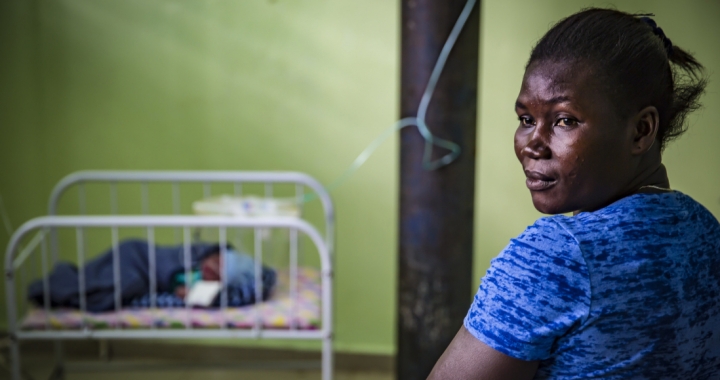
(274, 313)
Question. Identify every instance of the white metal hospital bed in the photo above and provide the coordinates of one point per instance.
(35, 247)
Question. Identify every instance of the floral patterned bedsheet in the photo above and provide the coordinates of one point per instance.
(275, 313)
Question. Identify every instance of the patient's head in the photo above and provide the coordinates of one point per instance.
(210, 267)
(238, 267)
(603, 93)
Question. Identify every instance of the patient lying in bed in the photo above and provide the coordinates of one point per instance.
(133, 278)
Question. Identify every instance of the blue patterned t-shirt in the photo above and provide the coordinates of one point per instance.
(631, 291)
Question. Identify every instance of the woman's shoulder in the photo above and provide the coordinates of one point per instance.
(549, 239)
(633, 219)
(643, 222)
(641, 211)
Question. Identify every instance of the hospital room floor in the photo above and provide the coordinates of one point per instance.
(179, 362)
(39, 373)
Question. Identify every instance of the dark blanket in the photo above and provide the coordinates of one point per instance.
(134, 275)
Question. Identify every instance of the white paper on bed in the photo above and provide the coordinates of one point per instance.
(202, 293)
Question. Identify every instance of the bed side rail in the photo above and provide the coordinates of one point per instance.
(13, 262)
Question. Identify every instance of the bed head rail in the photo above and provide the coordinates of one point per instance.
(237, 178)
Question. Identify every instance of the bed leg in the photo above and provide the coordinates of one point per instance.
(327, 359)
(59, 370)
(58, 373)
(104, 350)
(15, 358)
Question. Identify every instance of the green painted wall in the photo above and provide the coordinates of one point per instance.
(286, 85)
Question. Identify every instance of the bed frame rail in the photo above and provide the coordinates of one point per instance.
(45, 228)
(184, 222)
(175, 178)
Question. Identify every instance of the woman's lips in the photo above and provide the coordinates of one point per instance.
(537, 181)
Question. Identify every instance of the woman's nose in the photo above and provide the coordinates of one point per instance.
(537, 147)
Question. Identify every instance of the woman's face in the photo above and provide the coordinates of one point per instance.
(574, 147)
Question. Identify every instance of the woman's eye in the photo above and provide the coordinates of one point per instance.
(566, 122)
(525, 121)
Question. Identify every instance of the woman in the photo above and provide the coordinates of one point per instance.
(629, 286)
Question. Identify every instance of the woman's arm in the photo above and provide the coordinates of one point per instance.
(469, 358)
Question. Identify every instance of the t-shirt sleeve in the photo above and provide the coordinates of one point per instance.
(535, 291)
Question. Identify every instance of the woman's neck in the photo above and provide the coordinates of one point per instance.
(653, 181)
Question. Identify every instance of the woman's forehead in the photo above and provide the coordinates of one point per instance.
(559, 82)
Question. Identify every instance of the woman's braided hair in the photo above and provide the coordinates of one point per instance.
(639, 65)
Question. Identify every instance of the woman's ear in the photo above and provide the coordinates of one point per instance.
(647, 122)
